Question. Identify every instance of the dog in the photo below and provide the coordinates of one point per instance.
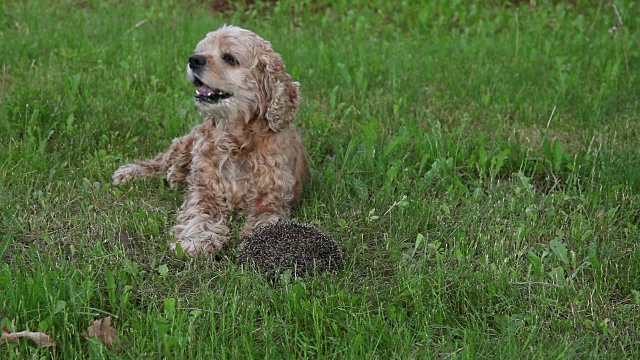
(246, 157)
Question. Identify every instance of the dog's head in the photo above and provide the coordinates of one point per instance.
(238, 77)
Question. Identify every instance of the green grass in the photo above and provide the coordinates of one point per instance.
(477, 160)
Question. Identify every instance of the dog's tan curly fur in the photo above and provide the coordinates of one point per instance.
(246, 156)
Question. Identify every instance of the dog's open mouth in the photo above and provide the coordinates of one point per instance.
(209, 94)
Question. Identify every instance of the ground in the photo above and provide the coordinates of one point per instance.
(478, 161)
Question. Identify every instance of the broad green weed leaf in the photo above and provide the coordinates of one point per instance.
(559, 250)
(163, 270)
(536, 263)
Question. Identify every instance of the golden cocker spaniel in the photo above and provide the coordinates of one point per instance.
(246, 156)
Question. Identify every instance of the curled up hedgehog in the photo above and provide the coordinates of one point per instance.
(289, 245)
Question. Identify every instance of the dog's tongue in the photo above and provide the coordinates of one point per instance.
(206, 91)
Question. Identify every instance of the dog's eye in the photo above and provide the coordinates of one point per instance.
(230, 59)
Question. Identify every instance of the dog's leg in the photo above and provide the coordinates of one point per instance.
(180, 160)
(264, 218)
(202, 222)
(175, 162)
(267, 210)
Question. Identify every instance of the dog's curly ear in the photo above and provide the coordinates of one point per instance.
(280, 94)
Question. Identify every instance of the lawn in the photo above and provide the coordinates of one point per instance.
(477, 160)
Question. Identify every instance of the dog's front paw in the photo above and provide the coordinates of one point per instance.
(200, 244)
(124, 174)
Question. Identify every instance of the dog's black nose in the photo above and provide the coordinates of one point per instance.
(197, 61)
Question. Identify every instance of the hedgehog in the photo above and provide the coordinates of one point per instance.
(289, 245)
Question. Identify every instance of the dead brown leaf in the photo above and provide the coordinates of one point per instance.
(102, 330)
(124, 238)
(39, 338)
